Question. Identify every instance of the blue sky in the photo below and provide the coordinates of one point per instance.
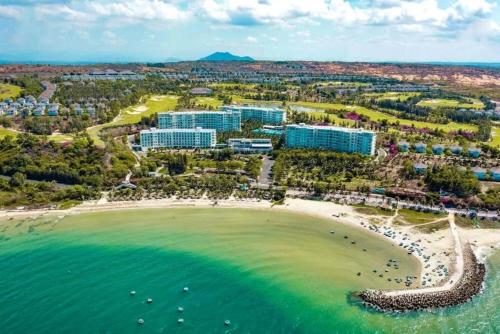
(155, 30)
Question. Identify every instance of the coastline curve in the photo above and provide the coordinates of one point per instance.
(469, 285)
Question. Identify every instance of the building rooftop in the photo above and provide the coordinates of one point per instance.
(335, 128)
(193, 112)
(153, 130)
(248, 107)
(419, 165)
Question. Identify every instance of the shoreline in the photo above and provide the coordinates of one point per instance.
(435, 252)
(469, 285)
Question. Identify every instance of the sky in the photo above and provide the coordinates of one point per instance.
(323, 30)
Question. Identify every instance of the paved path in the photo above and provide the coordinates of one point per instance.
(264, 177)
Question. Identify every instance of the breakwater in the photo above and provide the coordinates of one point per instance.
(469, 285)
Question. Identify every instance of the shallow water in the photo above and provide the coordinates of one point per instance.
(264, 271)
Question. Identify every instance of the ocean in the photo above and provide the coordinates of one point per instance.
(265, 272)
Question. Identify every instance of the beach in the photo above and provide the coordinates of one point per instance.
(299, 262)
(439, 253)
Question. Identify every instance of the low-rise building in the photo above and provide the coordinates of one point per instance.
(495, 174)
(201, 91)
(53, 109)
(250, 145)
(91, 111)
(39, 111)
(455, 149)
(331, 138)
(77, 109)
(479, 172)
(438, 149)
(178, 138)
(420, 147)
(11, 111)
(403, 146)
(474, 152)
(419, 168)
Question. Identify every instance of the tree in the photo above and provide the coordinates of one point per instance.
(17, 180)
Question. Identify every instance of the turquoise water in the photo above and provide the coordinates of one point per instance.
(268, 132)
(74, 276)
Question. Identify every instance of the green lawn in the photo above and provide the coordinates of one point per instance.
(57, 137)
(60, 137)
(373, 211)
(374, 115)
(434, 227)
(415, 217)
(402, 96)
(133, 114)
(6, 132)
(448, 103)
(210, 101)
(495, 134)
(9, 91)
(153, 104)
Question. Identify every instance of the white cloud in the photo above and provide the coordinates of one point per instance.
(138, 9)
(418, 16)
(251, 39)
(407, 13)
(64, 12)
(10, 11)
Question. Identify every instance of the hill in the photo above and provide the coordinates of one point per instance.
(225, 56)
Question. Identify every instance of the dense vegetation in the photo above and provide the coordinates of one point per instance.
(451, 179)
(38, 159)
(319, 171)
(30, 85)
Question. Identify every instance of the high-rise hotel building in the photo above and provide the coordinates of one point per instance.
(331, 138)
(178, 138)
(263, 115)
(217, 120)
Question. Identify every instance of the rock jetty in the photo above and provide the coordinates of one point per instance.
(469, 285)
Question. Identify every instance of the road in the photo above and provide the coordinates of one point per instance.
(265, 172)
(50, 88)
(379, 200)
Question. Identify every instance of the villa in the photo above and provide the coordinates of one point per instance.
(39, 111)
(437, 149)
(495, 174)
(479, 172)
(455, 149)
(420, 147)
(53, 109)
(419, 168)
(331, 138)
(403, 146)
(474, 152)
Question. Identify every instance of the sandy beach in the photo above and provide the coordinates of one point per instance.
(436, 252)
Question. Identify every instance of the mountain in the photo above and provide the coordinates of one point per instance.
(225, 56)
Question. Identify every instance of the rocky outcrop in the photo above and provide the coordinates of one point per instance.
(469, 285)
